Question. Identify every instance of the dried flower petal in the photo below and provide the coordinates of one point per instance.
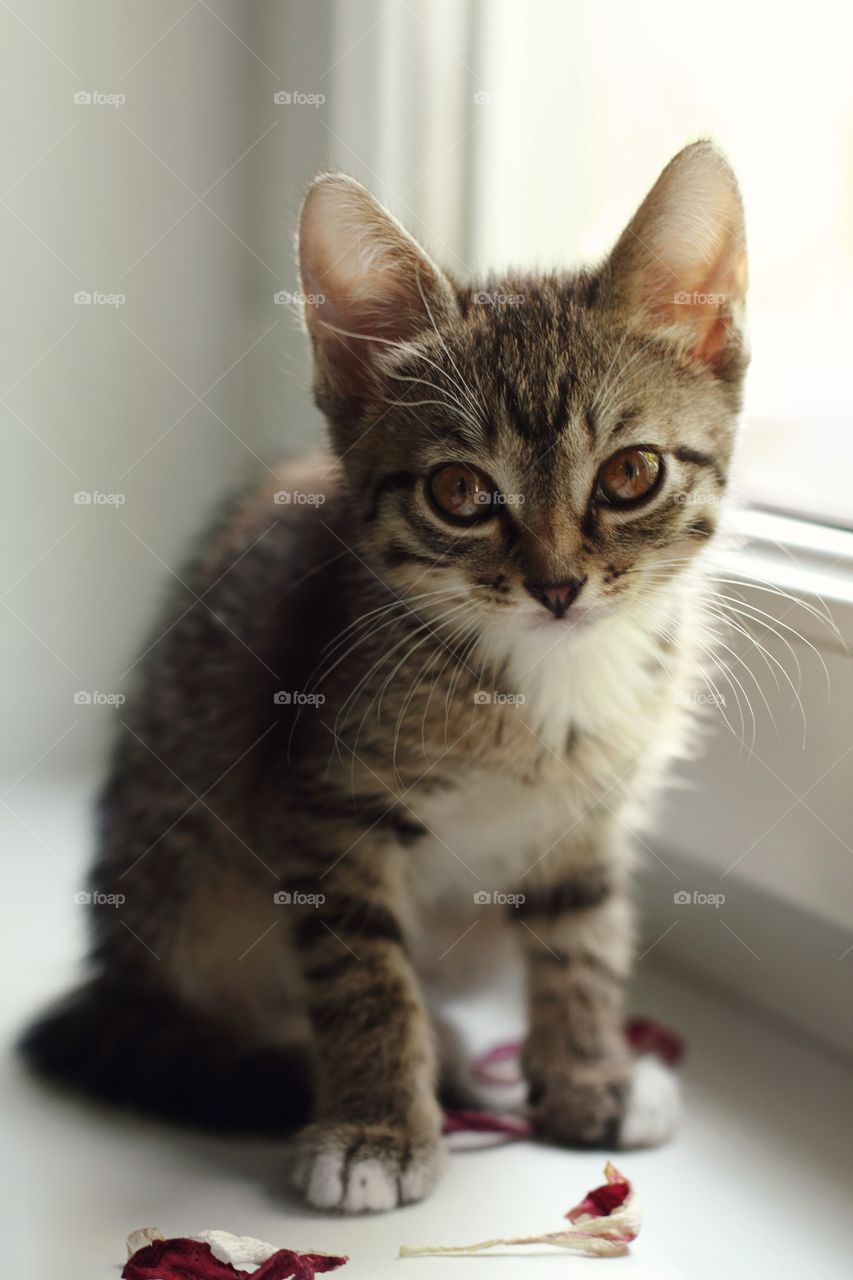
(139, 1239)
(185, 1259)
(602, 1201)
(645, 1035)
(603, 1225)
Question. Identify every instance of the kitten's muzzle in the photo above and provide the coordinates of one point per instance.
(556, 596)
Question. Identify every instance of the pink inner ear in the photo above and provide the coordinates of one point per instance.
(378, 286)
(706, 307)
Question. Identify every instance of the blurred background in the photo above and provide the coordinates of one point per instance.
(153, 359)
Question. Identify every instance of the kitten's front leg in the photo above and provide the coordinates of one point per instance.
(376, 1141)
(585, 1087)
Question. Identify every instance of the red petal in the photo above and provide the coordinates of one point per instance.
(647, 1036)
(178, 1259)
(181, 1259)
(602, 1201)
(300, 1266)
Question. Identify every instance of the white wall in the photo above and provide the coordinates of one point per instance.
(105, 398)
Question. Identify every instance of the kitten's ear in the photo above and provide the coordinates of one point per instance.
(371, 283)
(680, 265)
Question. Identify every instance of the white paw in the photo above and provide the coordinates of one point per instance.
(365, 1169)
(653, 1105)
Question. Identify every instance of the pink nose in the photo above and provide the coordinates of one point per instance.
(556, 596)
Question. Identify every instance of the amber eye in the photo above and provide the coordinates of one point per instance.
(629, 476)
(461, 494)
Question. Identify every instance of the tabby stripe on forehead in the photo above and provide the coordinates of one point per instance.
(577, 893)
(367, 921)
(394, 481)
(685, 454)
(520, 420)
(562, 408)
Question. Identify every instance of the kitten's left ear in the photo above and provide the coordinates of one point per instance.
(372, 284)
(680, 265)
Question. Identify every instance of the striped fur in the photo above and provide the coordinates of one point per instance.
(362, 753)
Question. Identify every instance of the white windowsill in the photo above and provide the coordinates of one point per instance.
(755, 1183)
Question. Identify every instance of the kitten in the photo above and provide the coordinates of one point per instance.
(442, 665)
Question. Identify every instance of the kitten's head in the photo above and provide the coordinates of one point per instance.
(548, 448)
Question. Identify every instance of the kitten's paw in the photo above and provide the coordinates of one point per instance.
(355, 1168)
(639, 1109)
(652, 1105)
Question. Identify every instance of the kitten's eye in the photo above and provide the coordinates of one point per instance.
(629, 476)
(461, 493)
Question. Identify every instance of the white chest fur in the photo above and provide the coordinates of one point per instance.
(488, 831)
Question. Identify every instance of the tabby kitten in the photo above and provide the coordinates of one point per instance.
(415, 694)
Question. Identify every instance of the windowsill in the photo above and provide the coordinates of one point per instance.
(759, 1165)
(756, 1170)
(812, 562)
(764, 816)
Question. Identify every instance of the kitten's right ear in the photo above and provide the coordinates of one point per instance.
(371, 285)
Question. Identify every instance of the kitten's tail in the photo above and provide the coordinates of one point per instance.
(142, 1049)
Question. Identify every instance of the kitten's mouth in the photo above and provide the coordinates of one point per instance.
(574, 619)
